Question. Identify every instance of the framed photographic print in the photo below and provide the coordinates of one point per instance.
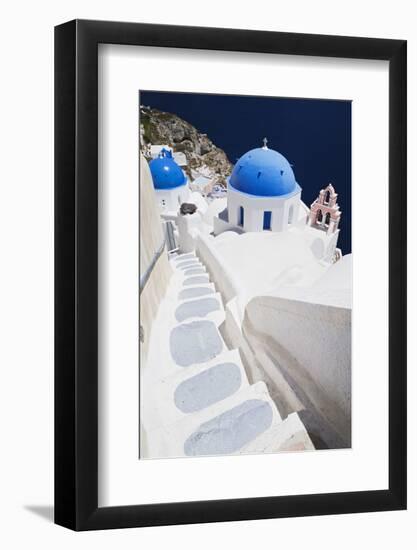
(230, 275)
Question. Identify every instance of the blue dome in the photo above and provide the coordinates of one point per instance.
(166, 173)
(263, 172)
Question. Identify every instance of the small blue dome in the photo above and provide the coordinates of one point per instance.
(263, 172)
(166, 174)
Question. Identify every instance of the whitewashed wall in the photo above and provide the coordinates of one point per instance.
(288, 331)
(151, 238)
(254, 208)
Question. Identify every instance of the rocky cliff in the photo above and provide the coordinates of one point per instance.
(203, 157)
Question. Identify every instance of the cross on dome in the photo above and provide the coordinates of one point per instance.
(265, 143)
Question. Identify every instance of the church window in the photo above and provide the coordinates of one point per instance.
(267, 220)
(241, 216)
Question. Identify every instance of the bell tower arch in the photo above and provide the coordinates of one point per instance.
(325, 213)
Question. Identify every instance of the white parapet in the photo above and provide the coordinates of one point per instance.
(188, 225)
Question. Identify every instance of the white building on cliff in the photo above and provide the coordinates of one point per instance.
(264, 272)
(169, 181)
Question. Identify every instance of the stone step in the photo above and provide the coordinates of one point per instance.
(198, 401)
(195, 388)
(204, 307)
(191, 271)
(194, 271)
(186, 256)
(207, 289)
(221, 429)
(287, 436)
(195, 280)
(185, 345)
(227, 356)
(179, 293)
(186, 265)
(190, 277)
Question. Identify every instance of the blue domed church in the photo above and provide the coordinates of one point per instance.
(169, 181)
(262, 194)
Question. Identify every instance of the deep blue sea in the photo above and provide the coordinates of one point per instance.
(313, 134)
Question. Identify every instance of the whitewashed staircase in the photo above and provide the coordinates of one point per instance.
(195, 395)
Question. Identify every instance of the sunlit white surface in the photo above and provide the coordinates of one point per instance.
(124, 479)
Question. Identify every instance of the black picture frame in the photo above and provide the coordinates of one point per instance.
(76, 272)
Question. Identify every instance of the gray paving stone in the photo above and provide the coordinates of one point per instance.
(187, 256)
(196, 308)
(195, 271)
(195, 292)
(207, 387)
(194, 343)
(197, 280)
(231, 430)
(186, 265)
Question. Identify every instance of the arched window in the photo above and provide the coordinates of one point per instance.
(327, 220)
(327, 197)
(319, 216)
(241, 221)
(290, 214)
(267, 220)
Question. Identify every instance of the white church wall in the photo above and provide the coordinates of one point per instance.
(254, 208)
(278, 221)
(303, 214)
(291, 211)
(219, 226)
(232, 207)
(169, 200)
